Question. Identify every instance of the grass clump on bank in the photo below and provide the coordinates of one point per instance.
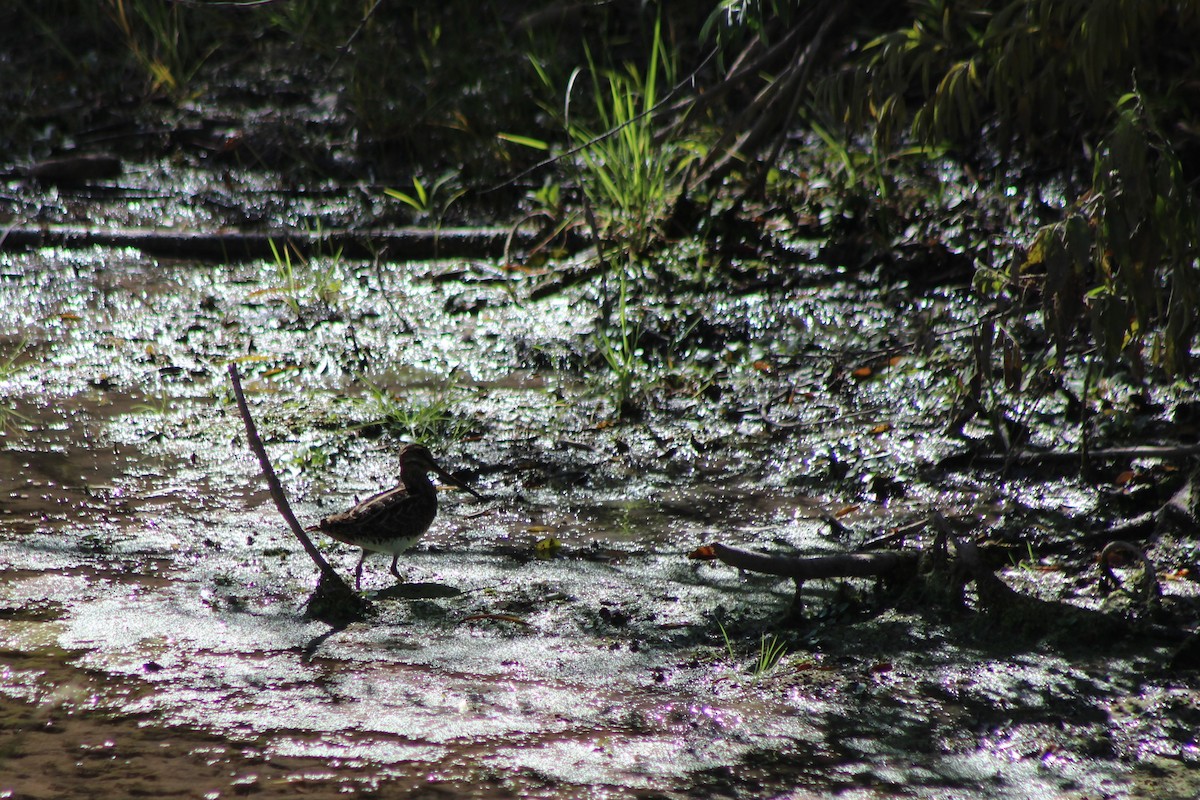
(435, 420)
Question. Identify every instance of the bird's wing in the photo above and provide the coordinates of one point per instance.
(373, 508)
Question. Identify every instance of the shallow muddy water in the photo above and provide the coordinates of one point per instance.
(147, 583)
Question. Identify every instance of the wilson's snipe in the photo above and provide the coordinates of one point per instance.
(393, 521)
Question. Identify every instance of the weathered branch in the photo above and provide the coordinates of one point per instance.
(1016, 612)
(806, 568)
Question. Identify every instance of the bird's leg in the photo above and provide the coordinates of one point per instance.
(396, 572)
(358, 572)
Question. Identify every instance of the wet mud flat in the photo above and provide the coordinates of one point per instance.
(554, 640)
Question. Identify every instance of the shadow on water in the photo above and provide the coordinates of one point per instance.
(417, 591)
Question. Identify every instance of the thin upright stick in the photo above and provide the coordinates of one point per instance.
(273, 484)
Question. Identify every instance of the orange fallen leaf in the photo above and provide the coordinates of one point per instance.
(513, 266)
(882, 427)
(1124, 478)
(862, 372)
(845, 511)
(705, 552)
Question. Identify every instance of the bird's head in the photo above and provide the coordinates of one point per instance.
(417, 458)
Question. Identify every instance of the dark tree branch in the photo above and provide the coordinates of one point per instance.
(332, 585)
(772, 110)
(1032, 458)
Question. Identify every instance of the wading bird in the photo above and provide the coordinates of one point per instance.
(393, 521)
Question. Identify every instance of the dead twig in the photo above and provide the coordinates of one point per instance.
(345, 48)
(896, 536)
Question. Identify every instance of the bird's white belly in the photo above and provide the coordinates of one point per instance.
(394, 546)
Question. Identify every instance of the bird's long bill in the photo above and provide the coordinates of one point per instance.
(448, 478)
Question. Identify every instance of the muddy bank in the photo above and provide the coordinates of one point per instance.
(554, 640)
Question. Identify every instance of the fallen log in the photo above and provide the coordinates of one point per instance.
(400, 244)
